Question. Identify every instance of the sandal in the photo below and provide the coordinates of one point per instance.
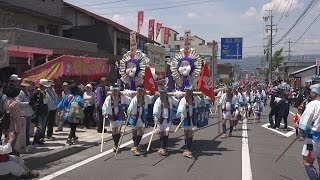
(30, 174)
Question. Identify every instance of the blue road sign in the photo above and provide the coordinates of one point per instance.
(231, 48)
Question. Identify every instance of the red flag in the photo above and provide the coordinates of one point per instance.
(166, 35)
(140, 21)
(148, 81)
(151, 29)
(159, 25)
(205, 84)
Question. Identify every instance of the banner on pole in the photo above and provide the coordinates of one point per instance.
(140, 21)
(159, 25)
(187, 38)
(166, 35)
(205, 84)
(133, 41)
(151, 29)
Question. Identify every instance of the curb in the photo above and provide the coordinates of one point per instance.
(35, 161)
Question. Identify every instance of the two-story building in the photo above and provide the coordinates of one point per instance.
(34, 35)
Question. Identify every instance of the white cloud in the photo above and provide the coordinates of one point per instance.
(128, 21)
(192, 15)
(282, 6)
(252, 12)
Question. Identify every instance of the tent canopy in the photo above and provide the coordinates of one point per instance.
(68, 65)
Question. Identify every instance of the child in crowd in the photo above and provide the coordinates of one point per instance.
(257, 108)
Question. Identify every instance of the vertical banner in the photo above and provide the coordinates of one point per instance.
(159, 25)
(133, 41)
(318, 68)
(166, 35)
(140, 21)
(151, 29)
(187, 38)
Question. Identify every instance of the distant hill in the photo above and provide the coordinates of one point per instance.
(251, 63)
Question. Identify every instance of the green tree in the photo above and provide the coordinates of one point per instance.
(277, 59)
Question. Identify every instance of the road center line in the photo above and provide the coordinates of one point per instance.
(246, 164)
(63, 171)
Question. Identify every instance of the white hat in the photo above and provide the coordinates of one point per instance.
(51, 82)
(44, 82)
(90, 86)
(65, 84)
(14, 77)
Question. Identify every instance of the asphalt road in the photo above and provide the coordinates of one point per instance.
(214, 158)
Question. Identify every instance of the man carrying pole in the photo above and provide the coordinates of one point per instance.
(137, 112)
(187, 112)
(163, 115)
(114, 108)
(309, 125)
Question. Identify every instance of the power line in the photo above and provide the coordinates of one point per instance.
(289, 8)
(97, 4)
(144, 5)
(301, 17)
(279, 5)
(315, 20)
(274, 5)
(164, 8)
(282, 15)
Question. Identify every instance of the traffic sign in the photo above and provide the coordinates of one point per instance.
(231, 48)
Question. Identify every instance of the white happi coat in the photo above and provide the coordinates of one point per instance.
(107, 109)
(157, 107)
(227, 106)
(133, 107)
(181, 112)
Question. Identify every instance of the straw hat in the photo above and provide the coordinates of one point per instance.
(26, 82)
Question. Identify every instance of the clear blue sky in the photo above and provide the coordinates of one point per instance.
(215, 19)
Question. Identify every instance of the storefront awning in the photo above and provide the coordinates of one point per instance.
(27, 52)
(67, 65)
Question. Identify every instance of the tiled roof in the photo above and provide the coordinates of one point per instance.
(103, 19)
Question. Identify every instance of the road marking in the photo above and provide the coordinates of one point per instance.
(58, 173)
(246, 164)
(288, 134)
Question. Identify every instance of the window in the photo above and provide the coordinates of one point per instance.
(177, 47)
(9, 21)
(53, 29)
(41, 28)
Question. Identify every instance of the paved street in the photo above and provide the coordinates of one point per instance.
(214, 158)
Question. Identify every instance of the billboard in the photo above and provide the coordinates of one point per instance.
(231, 48)
(157, 56)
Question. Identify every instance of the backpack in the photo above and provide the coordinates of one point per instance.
(75, 110)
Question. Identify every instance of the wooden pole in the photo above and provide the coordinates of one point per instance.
(153, 131)
(102, 134)
(287, 148)
(125, 126)
(178, 125)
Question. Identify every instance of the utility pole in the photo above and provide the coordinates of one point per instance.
(289, 51)
(289, 58)
(214, 62)
(270, 27)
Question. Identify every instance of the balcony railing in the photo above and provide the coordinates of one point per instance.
(58, 44)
